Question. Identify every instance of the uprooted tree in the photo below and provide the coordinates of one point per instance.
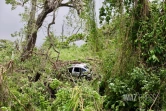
(46, 7)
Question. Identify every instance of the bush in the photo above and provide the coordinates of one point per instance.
(79, 98)
(137, 91)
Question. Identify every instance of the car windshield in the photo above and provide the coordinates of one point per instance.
(83, 70)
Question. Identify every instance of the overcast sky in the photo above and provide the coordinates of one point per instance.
(10, 21)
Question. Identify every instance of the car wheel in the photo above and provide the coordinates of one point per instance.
(88, 78)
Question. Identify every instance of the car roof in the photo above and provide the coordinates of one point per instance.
(82, 65)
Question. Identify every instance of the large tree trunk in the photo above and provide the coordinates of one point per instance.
(31, 21)
(49, 6)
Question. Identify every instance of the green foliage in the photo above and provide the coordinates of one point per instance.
(25, 93)
(91, 26)
(132, 52)
(79, 98)
(136, 64)
(112, 8)
(6, 50)
(74, 53)
(55, 84)
(75, 37)
(64, 42)
(151, 39)
(31, 83)
(16, 3)
(144, 86)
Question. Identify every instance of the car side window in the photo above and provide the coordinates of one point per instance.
(76, 69)
(70, 70)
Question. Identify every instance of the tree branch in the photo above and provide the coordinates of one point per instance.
(66, 5)
(154, 100)
(48, 33)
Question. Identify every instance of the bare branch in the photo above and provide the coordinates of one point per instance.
(155, 100)
(66, 5)
(48, 33)
(49, 25)
(62, 34)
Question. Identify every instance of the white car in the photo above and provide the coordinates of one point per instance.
(80, 70)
